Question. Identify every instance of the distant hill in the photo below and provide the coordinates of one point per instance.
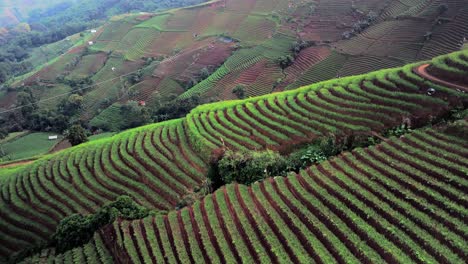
(15, 11)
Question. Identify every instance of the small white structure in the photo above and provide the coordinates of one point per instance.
(113, 68)
(53, 137)
(90, 43)
(93, 31)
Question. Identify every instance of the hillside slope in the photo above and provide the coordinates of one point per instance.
(158, 164)
(212, 49)
(360, 207)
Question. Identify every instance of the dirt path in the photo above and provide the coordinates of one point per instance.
(422, 71)
(14, 164)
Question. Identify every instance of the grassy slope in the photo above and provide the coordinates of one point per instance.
(28, 146)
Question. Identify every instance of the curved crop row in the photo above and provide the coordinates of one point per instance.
(94, 251)
(357, 207)
(159, 164)
(155, 165)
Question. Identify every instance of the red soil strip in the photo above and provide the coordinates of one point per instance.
(391, 219)
(171, 238)
(141, 171)
(289, 223)
(410, 186)
(292, 121)
(72, 193)
(422, 71)
(190, 152)
(158, 239)
(365, 118)
(90, 185)
(264, 243)
(435, 143)
(387, 256)
(397, 208)
(429, 160)
(213, 239)
(196, 232)
(224, 229)
(227, 135)
(210, 139)
(398, 193)
(387, 117)
(430, 174)
(185, 239)
(239, 226)
(164, 167)
(132, 235)
(47, 201)
(310, 226)
(150, 198)
(326, 220)
(177, 158)
(244, 127)
(256, 127)
(348, 203)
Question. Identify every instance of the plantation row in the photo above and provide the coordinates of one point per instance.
(358, 105)
(448, 37)
(243, 60)
(452, 67)
(356, 208)
(158, 165)
(93, 252)
(155, 165)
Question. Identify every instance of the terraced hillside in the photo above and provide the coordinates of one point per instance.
(159, 164)
(214, 48)
(360, 207)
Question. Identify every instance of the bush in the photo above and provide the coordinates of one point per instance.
(76, 135)
(239, 91)
(247, 167)
(76, 230)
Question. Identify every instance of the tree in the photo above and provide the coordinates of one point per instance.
(239, 91)
(285, 61)
(77, 135)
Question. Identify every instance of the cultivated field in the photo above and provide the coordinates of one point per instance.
(359, 198)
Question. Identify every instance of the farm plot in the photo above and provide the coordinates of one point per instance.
(94, 251)
(88, 66)
(158, 164)
(354, 208)
(154, 164)
(28, 146)
(453, 67)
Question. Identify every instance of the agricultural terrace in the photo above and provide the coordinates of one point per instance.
(158, 164)
(94, 251)
(452, 67)
(357, 207)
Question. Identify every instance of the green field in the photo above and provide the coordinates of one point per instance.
(29, 146)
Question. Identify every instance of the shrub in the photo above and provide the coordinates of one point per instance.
(239, 91)
(247, 167)
(76, 135)
(76, 230)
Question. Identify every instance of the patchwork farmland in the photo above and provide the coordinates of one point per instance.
(239, 43)
(356, 207)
